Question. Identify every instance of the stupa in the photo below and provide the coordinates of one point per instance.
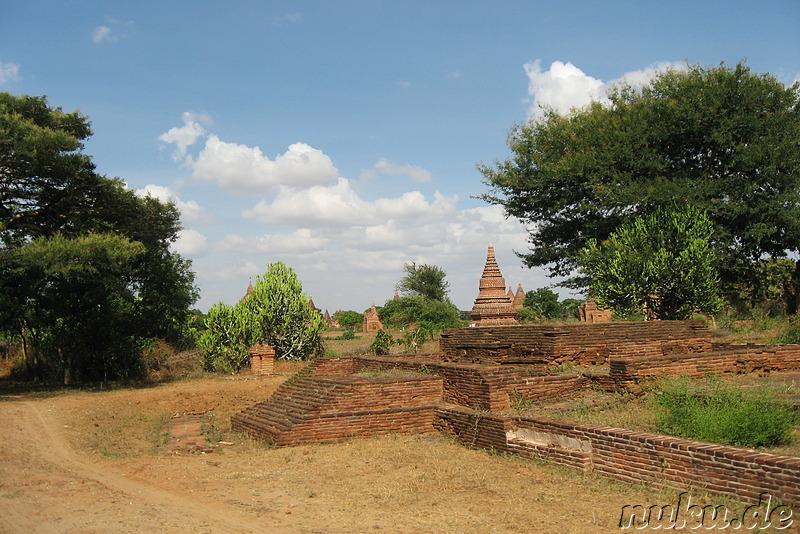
(492, 307)
(519, 298)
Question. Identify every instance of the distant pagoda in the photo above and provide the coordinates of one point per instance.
(493, 306)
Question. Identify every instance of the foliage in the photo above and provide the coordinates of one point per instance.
(382, 343)
(224, 341)
(349, 319)
(348, 334)
(724, 414)
(424, 280)
(418, 310)
(413, 339)
(660, 262)
(88, 277)
(722, 139)
(275, 313)
(544, 302)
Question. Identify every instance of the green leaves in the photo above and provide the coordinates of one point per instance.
(276, 312)
(660, 263)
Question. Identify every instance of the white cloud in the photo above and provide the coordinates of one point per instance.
(565, 86)
(9, 72)
(455, 75)
(101, 34)
(190, 243)
(107, 34)
(300, 241)
(339, 205)
(386, 167)
(641, 77)
(191, 211)
(245, 170)
(188, 134)
(562, 88)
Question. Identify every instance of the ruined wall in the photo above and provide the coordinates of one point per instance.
(642, 364)
(321, 405)
(582, 344)
(630, 456)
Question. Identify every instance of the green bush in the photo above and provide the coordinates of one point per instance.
(724, 414)
(383, 341)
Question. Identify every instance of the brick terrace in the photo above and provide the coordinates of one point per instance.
(469, 389)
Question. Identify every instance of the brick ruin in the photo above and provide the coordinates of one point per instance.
(470, 387)
(469, 390)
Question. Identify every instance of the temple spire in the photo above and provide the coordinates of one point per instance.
(492, 307)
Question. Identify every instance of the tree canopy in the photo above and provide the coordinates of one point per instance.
(88, 275)
(425, 280)
(722, 139)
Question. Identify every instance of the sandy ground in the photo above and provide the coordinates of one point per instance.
(95, 462)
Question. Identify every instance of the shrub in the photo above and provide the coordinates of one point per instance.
(724, 414)
(383, 341)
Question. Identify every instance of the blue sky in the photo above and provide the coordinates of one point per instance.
(342, 137)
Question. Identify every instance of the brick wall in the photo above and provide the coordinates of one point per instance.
(642, 364)
(630, 456)
(582, 344)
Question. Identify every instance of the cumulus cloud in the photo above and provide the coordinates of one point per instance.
(564, 86)
(191, 211)
(301, 240)
(386, 167)
(339, 205)
(246, 170)
(9, 72)
(190, 243)
(185, 136)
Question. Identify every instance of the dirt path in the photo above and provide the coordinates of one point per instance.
(51, 463)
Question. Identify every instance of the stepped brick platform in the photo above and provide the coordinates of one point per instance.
(326, 407)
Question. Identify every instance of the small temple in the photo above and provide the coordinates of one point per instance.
(493, 306)
(372, 321)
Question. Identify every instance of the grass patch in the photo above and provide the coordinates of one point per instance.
(720, 413)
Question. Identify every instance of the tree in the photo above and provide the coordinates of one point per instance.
(67, 242)
(276, 313)
(543, 302)
(349, 319)
(425, 280)
(417, 310)
(660, 263)
(722, 139)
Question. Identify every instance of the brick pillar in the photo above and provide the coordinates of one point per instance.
(262, 360)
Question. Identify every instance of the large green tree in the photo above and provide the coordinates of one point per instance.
(660, 263)
(54, 203)
(722, 139)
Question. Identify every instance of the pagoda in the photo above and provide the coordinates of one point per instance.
(493, 307)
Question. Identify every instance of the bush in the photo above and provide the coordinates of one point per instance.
(383, 341)
(724, 414)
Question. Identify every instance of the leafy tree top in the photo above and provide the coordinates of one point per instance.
(425, 280)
